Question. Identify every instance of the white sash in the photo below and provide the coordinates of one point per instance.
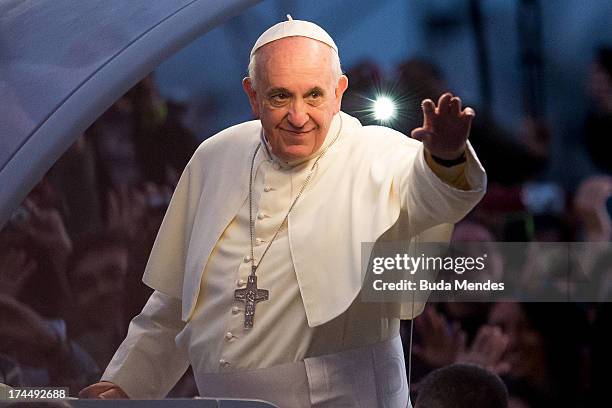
(371, 376)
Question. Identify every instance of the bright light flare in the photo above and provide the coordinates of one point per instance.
(384, 108)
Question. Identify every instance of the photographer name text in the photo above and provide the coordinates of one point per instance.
(425, 285)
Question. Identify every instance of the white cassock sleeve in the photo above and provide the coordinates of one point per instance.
(430, 207)
(148, 363)
(431, 201)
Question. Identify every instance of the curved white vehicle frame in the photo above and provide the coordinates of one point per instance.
(64, 62)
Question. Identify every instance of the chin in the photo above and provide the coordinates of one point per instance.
(295, 154)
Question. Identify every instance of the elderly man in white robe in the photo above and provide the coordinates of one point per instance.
(257, 265)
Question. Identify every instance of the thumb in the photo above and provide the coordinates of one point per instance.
(420, 134)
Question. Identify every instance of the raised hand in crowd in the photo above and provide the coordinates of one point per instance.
(440, 342)
(37, 231)
(487, 350)
(133, 211)
(535, 135)
(126, 211)
(590, 207)
(39, 344)
(443, 343)
(25, 335)
(45, 228)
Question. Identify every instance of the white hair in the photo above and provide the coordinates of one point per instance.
(335, 67)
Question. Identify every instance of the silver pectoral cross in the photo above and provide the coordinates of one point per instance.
(250, 296)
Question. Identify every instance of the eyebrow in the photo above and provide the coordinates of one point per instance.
(315, 89)
(274, 91)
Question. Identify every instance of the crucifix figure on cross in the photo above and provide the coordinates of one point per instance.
(250, 296)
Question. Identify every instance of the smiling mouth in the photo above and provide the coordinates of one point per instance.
(297, 132)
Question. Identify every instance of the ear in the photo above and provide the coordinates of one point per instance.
(340, 88)
(251, 94)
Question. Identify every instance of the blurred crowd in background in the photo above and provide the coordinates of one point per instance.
(73, 254)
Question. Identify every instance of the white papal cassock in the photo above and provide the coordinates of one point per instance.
(313, 342)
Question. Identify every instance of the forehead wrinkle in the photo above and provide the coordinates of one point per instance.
(294, 57)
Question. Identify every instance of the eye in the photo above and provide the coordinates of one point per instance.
(279, 98)
(315, 94)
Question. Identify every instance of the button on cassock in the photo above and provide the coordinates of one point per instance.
(241, 282)
(267, 189)
(228, 335)
(247, 258)
(224, 362)
(261, 216)
(235, 310)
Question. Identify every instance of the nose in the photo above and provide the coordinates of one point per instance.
(298, 115)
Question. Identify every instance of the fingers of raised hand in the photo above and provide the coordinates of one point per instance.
(455, 106)
(490, 343)
(481, 338)
(461, 341)
(429, 108)
(468, 113)
(444, 103)
(593, 192)
(501, 343)
(31, 206)
(600, 186)
(448, 106)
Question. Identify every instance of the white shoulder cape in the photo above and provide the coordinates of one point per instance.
(373, 180)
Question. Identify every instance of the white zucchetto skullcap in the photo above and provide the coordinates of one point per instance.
(293, 28)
